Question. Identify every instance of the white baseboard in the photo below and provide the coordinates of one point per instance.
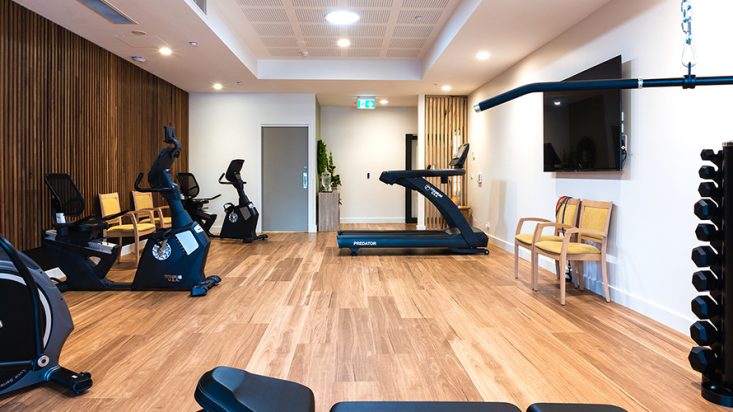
(634, 302)
(348, 220)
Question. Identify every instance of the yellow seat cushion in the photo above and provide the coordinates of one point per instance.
(129, 227)
(527, 238)
(166, 220)
(574, 248)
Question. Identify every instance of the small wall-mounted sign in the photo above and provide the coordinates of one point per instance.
(365, 103)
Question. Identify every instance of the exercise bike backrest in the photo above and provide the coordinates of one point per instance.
(161, 181)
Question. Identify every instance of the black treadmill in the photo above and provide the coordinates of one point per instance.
(459, 237)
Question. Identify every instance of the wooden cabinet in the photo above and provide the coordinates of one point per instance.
(328, 211)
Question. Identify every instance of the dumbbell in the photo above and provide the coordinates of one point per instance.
(707, 232)
(711, 190)
(711, 156)
(703, 360)
(704, 307)
(706, 209)
(705, 256)
(705, 280)
(704, 333)
(710, 173)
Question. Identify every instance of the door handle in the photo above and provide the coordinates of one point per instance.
(305, 180)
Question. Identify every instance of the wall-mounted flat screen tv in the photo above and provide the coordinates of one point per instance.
(582, 129)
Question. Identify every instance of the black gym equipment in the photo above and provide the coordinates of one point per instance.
(225, 389)
(713, 358)
(240, 220)
(34, 324)
(460, 237)
(173, 258)
(196, 207)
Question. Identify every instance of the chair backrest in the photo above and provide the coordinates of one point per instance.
(66, 197)
(189, 185)
(109, 204)
(567, 211)
(142, 200)
(595, 215)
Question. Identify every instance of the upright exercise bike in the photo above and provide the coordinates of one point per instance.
(240, 220)
(34, 324)
(173, 258)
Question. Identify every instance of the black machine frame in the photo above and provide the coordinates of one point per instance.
(460, 237)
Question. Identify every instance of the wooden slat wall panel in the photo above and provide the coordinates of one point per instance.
(445, 117)
(71, 106)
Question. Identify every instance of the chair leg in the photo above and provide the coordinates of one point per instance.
(557, 269)
(579, 269)
(563, 263)
(604, 272)
(535, 272)
(516, 260)
(137, 249)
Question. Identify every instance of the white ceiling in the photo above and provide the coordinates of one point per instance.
(255, 45)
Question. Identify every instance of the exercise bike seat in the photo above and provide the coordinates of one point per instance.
(225, 389)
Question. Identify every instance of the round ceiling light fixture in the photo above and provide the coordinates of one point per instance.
(344, 42)
(446, 88)
(483, 55)
(165, 51)
(217, 86)
(342, 17)
(383, 101)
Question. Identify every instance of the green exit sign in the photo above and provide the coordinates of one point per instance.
(365, 103)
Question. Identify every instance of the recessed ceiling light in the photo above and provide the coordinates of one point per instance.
(344, 42)
(217, 86)
(445, 88)
(138, 32)
(483, 55)
(193, 43)
(383, 101)
(165, 51)
(139, 59)
(342, 17)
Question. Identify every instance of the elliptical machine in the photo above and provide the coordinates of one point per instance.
(34, 324)
(173, 258)
(240, 220)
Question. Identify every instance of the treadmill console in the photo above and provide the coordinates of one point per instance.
(460, 157)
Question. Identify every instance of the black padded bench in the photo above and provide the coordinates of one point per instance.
(225, 389)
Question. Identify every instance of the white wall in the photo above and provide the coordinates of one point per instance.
(368, 141)
(652, 231)
(226, 126)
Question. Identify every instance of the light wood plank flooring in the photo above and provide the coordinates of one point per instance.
(371, 327)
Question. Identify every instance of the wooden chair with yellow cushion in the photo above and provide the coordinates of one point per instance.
(144, 201)
(593, 224)
(110, 205)
(566, 213)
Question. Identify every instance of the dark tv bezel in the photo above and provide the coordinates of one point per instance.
(584, 76)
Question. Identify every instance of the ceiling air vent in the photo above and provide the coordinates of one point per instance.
(107, 11)
(201, 4)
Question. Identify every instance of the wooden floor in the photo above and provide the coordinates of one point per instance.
(371, 327)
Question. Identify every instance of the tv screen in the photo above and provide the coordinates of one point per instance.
(582, 129)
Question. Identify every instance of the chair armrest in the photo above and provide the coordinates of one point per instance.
(586, 232)
(528, 219)
(540, 227)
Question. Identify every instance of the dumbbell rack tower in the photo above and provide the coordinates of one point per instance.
(714, 332)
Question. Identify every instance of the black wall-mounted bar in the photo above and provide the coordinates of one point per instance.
(687, 82)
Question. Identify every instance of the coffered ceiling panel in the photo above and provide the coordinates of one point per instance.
(389, 29)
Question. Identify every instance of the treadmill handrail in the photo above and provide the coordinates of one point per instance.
(391, 176)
